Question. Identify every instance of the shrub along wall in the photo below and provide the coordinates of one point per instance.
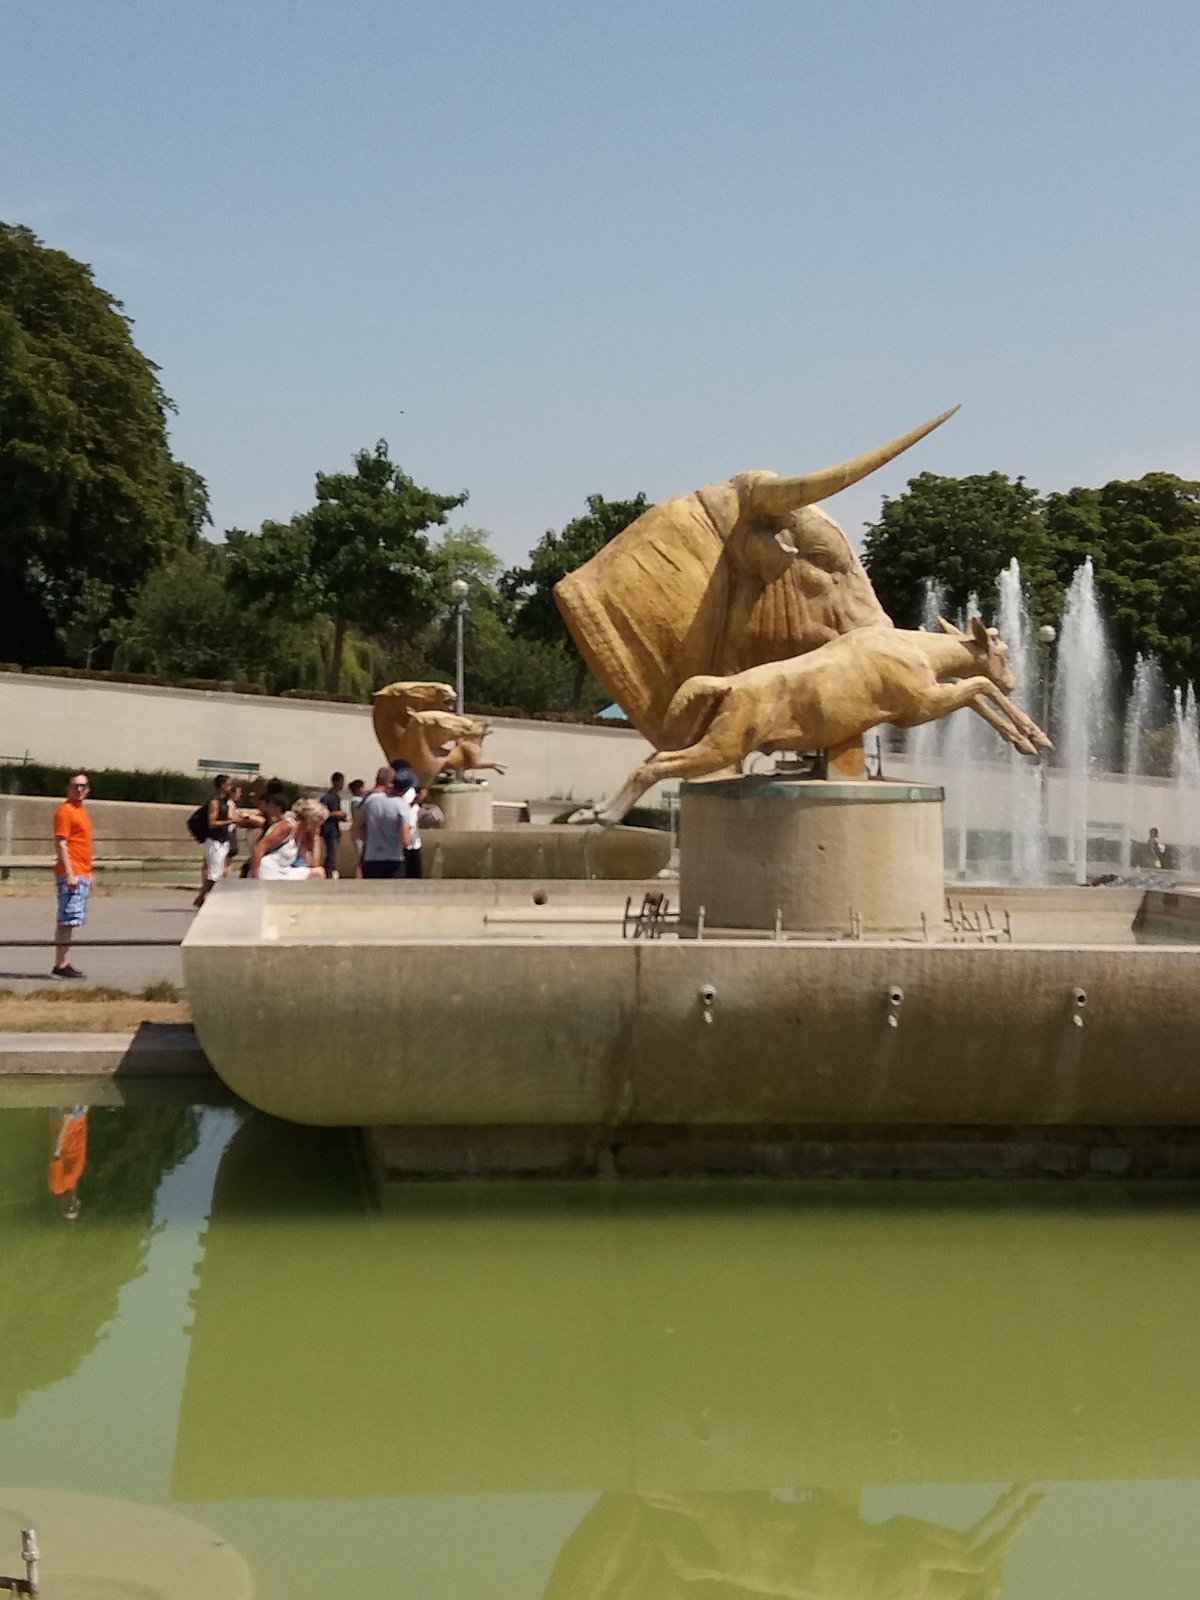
(108, 783)
(111, 783)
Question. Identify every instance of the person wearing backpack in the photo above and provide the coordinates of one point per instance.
(212, 827)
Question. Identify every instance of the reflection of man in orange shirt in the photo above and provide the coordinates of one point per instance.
(72, 871)
(69, 1159)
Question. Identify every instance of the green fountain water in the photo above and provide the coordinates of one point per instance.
(610, 1393)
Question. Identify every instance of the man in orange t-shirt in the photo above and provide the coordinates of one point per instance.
(72, 871)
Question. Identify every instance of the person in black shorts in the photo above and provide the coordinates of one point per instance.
(331, 828)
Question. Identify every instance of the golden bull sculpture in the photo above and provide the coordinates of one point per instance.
(674, 615)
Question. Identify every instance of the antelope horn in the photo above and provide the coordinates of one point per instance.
(948, 627)
(774, 497)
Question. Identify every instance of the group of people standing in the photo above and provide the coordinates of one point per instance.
(387, 824)
(301, 838)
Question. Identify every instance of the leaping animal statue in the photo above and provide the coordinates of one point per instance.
(830, 697)
(416, 723)
(749, 1545)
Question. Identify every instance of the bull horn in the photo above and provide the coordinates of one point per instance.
(775, 497)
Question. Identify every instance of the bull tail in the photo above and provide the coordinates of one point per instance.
(693, 707)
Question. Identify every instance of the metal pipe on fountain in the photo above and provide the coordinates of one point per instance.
(30, 1555)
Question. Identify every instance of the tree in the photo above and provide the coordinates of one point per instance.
(358, 557)
(182, 622)
(89, 489)
(961, 533)
(1144, 541)
(86, 628)
(532, 587)
(465, 553)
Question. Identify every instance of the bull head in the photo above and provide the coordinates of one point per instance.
(733, 574)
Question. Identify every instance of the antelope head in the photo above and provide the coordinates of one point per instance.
(988, 651)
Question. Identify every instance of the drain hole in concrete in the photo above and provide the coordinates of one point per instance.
(539, 897)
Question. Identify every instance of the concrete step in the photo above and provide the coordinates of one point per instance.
(154, 1050)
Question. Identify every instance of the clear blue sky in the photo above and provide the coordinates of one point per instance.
(548, 248)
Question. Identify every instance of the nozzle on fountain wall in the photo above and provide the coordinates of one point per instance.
(707, 996)
(895, 1000)
(1078, 1001)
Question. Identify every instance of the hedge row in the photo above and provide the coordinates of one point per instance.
(114, 783)
(108, 783)
(237, 686)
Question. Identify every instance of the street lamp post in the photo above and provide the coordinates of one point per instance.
(1046, 636)
(459, 591)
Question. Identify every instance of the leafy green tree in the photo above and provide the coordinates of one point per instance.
(185, 623)
(499, 670)
(1144, 540)
(465, 553)
(526, 674)
(89, 489)
(962, 533)
(182, 622)
(358, 557)
(86, 628)
(532, 587)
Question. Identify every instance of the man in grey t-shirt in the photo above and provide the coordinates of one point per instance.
(382, 826)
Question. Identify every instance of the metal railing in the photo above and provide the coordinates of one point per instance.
(30, 1555)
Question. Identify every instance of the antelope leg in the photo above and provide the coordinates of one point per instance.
(1014, 713)
(963, 692)
(993, 718)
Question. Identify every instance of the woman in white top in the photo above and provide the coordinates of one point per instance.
(286, 851)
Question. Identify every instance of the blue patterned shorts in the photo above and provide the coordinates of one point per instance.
(72, 903)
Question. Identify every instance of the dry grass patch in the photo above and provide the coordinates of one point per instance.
(90, 1009)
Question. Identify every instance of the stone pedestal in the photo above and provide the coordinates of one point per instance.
(467, 807)
(819, 857)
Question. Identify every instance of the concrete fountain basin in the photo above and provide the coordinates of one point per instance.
(512, 1026)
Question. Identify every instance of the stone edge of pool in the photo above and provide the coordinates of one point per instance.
(576, 1056)
(153, 1050)
(474, 1044)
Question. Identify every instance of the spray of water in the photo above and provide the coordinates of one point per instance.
(1022, 805)
(1186, 770)
(1081, 703)
(988, 786)
(968, 749)
(932, 606)
(1144, 712)
(922, 744)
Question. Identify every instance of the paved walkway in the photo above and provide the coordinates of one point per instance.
(133, 914)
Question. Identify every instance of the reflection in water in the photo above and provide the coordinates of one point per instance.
(68, 1159)
(687, 1339)
(815, 1547)
(597, 1393)
(62, 1282)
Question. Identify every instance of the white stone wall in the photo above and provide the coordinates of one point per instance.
(76, 722)
(80, 723)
